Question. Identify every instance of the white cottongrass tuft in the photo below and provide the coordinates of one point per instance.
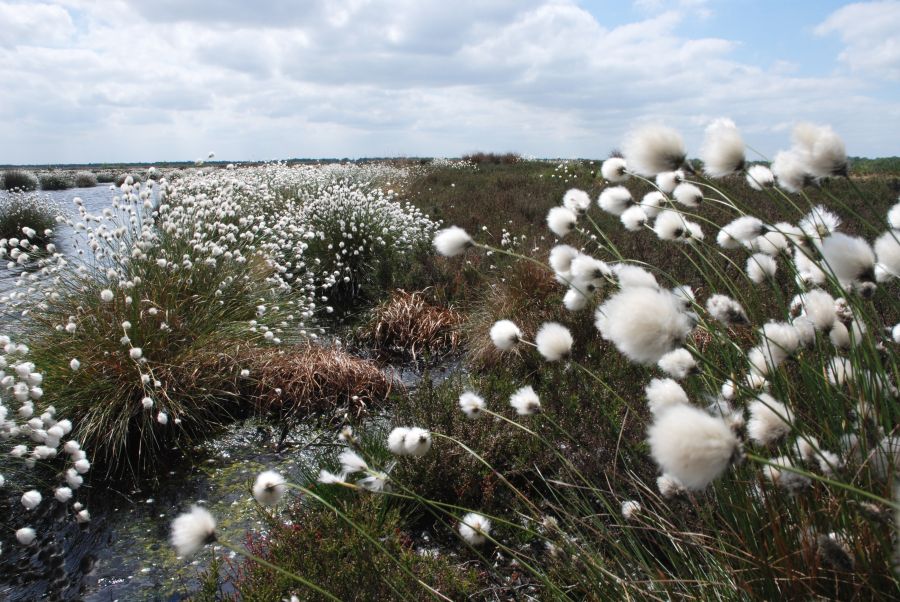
(269, 488)
(818, 307)
(821, 151)
(893, 217)
(654, 149)
(352, 462)
(329, 478)
(31, 499)
(630, 509)
(452, 241)
(819, 223)
(62, 494)
(589, 270)
(554, 341)
(770, 420)
(678, 363)
(761, 267)
(574, 300)
(633, 218)
(664, 393)
(722, 152)
(790, 171)
(614, 169)
(669, 486)
(106, 295)
(849, 258)
(395, 441)
(643, 323)
(692, 446)
(740, 230)
(471, 404)
(652, 203)
(670, 225)
(631, 276)
(136, 353)
(576, 200)
(773, 242)
(887, 248)
(726, 310)
(781, 335)
(417, 442)
(668, 180)
(505, 334)
(561, 257)
(26, 536)
(561, 221)
(760, 177)
(615, 200)
(193, 530)
(688, 195)
(74, 365)
(525, 401)
(474, 528)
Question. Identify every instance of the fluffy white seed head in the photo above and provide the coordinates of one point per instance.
(614, 169)
(615, 200)
(633, 276)
(761, 267)
(576, 201)
(630, 509)
(652, 203)
(669, 486)
(668, 180)
(760, 177)
(554, 341)
(193, 530)
(643, 323)
(31, 499)
(452, 241)
(743, 229)
(561, 221)
(893, 217)
(269, 488)
(589, 270)
(654, 149)
(561, 257)
(664, 393)
(691, 445)
(106, 295)
(471, 404)
(395, 441)
(505, 335)
(574, 300)
(723, 150)
(352, 462)
(678, 363)
(474, 528)
(887, 249)
(633, 218)
(821, 150)
(849, 258)
(417, 442)
(819, 223)
(781, 335)
(770, 420)
(26, 536)
(790, 171)
(688, 195)
(525, 401)
(670, 225)
(63, 494)
(818, 307)
(74, 365)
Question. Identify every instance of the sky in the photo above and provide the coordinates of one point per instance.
(168, 80)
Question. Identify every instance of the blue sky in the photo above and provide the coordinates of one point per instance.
(153, 80)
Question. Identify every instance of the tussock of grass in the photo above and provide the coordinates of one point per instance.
(19, 211)
(18, 179)
(296, 382)
(85, 179)
(407, 323)
(56, 180)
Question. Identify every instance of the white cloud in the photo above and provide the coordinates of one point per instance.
(870, 32)
(165, 79)
(34, 24)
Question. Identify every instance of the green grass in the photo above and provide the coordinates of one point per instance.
(18, 179)
(56, 180)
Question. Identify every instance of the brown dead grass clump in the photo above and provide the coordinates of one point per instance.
(293, 383)
(409, 324)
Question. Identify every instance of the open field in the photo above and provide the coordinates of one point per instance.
(204, 296)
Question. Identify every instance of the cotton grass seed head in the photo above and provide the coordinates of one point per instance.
(654, 149)
(849, 258)
(668, 180)
(561, 257)
(615, 200)
(31, 499)
(664, 393)
(820, 149)
(790, 171)
(505, 335)
(652, 203)
(525, 401)
(723, 150)
(396, 439)
(887, 249)
(561, 221)
(761, 267)
(471, 404)
(26, 536)
(760, 177)
(614, 170)
(452, 241)
(691, 445)
(576, 201)
(193, 530)
(106, 295)
(269, 488)
(417, 442)
(770, 420)
(688, 195)
(678, 363)
(474, 528)
(554, 341)
(726, 310)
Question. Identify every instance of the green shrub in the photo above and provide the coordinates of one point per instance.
(85, 179)
(55, 180)
(19, 179)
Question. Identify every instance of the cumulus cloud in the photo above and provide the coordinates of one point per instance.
(870, 32)
(165, 79)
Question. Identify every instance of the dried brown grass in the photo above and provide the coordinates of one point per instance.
(407, 323)
(290, 384)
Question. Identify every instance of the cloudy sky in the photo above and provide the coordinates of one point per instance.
(153, 80)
